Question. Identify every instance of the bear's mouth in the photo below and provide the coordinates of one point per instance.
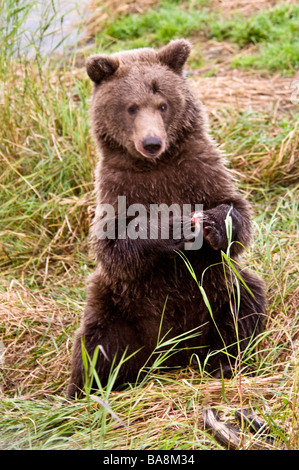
(150, 154)
(151, 147)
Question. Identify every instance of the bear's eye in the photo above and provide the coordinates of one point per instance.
(163, 107)
(133, 109)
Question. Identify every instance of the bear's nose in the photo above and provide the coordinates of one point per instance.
(152, 144)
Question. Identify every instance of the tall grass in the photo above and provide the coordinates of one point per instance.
(46, 157)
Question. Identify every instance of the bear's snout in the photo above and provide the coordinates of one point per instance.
(152, 145)
(149, 134)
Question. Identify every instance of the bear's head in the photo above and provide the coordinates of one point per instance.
(141, 100)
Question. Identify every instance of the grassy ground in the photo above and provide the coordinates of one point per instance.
(245, 69)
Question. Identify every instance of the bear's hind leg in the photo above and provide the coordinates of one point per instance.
(114, 339)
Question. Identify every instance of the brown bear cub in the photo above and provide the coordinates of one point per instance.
(155, 150)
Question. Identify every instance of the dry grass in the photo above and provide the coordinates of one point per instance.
(36, 348)
(175, 409)
(240, 90)
(270, 96)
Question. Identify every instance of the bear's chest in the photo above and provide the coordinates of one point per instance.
(171, 186)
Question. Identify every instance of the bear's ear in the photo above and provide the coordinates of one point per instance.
(175, 54)
(101, 66)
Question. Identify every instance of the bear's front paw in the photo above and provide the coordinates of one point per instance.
(214, 237)
(170, 246)
(214, 231)
(174, 245)
(181, 230)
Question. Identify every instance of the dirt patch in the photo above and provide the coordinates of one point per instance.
(244, 7)
(241, 90)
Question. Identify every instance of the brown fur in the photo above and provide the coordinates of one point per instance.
(128, 290)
